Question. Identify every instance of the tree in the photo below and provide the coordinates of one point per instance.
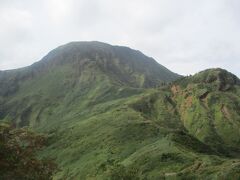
(18, 158)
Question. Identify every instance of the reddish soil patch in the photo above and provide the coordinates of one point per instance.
(175, 89)
(225, 112)
(188, 102)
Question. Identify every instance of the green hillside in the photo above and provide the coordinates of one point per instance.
(113, 113)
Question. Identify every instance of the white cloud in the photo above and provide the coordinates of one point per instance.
(185, 36)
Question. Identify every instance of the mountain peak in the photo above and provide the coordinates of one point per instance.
(219, 75)
(91, 49)
(219, 78)
(123, 64)
(81, 63)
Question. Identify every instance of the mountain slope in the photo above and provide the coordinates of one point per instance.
(109, 115)
(145, 136)
(77, 74)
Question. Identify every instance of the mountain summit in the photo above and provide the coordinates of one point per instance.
(122, 64)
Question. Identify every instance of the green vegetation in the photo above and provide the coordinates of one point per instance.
(209, 108)
(110, 113)
(18, 159)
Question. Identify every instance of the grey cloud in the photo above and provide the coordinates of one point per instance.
(186, 36)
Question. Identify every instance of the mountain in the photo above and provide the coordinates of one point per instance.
(77, 72)
(111, 112)
(209, 106)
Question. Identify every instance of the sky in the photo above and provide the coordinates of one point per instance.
(186, 36)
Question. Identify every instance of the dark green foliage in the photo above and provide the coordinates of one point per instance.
(189, 142)
(18, 155)
(118, 172)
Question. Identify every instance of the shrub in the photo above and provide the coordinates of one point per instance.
(18, 158)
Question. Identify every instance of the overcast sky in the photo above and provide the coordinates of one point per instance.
(186, 36)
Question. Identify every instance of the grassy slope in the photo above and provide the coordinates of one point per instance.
(99, 130)
(124, 141)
